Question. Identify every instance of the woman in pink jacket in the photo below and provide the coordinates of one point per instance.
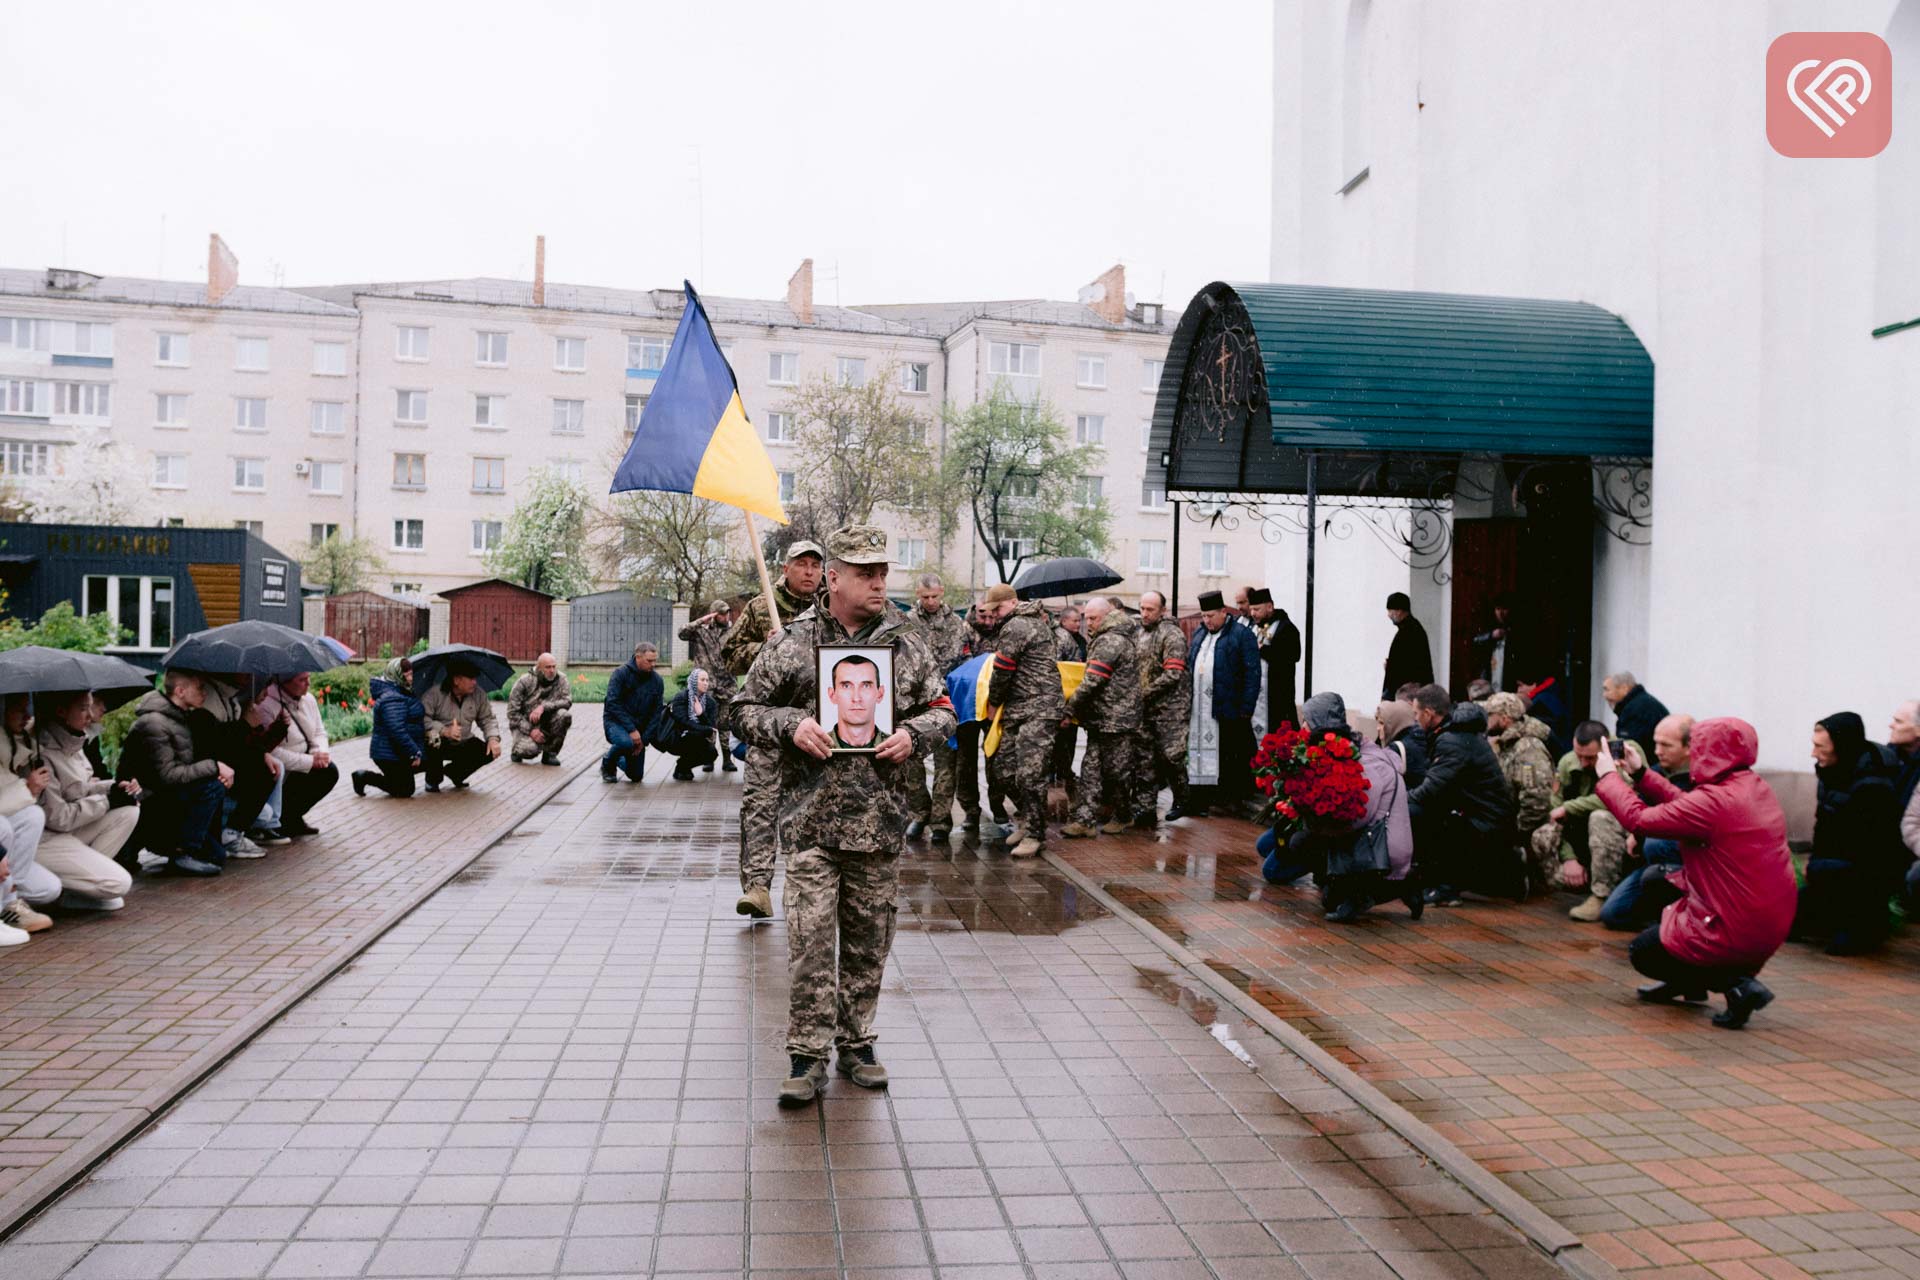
(1735, 883)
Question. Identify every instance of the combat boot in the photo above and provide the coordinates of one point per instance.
(755, 902)
(861, 1067)
(1027, 848)
(1588, 911)
(939, 833)
(1077, 831)
(1113, 827)
(805, 1078)
(914, 829)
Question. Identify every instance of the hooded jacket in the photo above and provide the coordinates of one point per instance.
(1236, 670)
(75, 797)
(399, 721)
(1026, 672)
(1857, 815)
(1109, 697)
(1522, 749)
(159, 750)
(1464, 775)
(1736, 873)
(19, 753)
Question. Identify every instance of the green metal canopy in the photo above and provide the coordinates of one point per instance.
(1388, 391)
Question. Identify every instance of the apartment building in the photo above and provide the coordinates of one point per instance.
(415, 413)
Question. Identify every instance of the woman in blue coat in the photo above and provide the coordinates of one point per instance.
(399, 733)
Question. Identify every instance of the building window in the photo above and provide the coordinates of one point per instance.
(173, 522)
(22, 396)
(23, 335)
(409, 535)
(22, 458)
(410, 408)
(319, 533)
(328, 478)
(1153, 555)
(851, 371)
(779, 428)
(1150, 375)
(409, 590)
(490, 349)
(569, 417)
(82, 399)
(490, 412)
(783, 368)
(1090, 428)
(250, 475)
(1015, 548)
(1088, 491)
(571, 470)
(915, 378)
(1013, 359)
(486, 535)
(636, 405)
(409, 470)
(646, 356)
(330, 359)
(1091, 371)
(490, 475)
(89, 339)
(786, 487)
(174, 349)
(1213, 557)
(1026, 485)
(1153, 497)
(169, 470)
(258, 528)
(917, 430)
(570, 354)
(410, 342)
(1146, 435)
(329, 418)
(250, 355)
(249, 413)
(913, 553)
(169, 410)
(141, 607)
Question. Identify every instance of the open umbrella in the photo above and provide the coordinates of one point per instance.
(430, 667)
(338, 649)
(1065, 576)
(251, 648)
(36, 669)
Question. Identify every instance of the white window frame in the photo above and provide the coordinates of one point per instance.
(636, 406)
(913, 553)
(570, 469)
(325, 529)
(490, 348)
(850, 371)
(490, 465)
(408, 590)
(489, 411)
(173, 350)
(85, 338)
(1090, 371)
(1002, 357)
(565, 346)
(916, 378)
(783, 368)
(1153, 497)
(405, 405)
(412, 343)
(151, 586)
(83, 399)
(242, 467)
(171, 481)
(258, 528)
(319, 471)
(242, 345)
(321, 349)
(25, 397)
(403, 527)
(327, 417)
(26, 459)
(789, 486)
(637, 347)
(779, 427)
(487, 535)
(242, 415)
(1089, 491)
(1150, 562)
(410, 483)
(1150, 371)
(165, 402)
(1090, 428)
(569, 417)
(23, 334)
(1213, 559)
(1146, 434)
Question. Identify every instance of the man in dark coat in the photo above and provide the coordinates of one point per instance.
(1858, 861)
(183, 789)
(1409, 658)
(1223, 670)
(634, 695)
(1463, 810)
(1499, 652)
(1279, 642)
(1635, 711)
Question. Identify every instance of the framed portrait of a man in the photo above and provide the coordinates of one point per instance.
(856, 695)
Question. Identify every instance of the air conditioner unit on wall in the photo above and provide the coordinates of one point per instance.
(302, 467)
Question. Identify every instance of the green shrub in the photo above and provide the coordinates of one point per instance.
(343, 684)
(342, 725)
(61, 628)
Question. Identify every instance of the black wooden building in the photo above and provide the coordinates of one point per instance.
(158, 584)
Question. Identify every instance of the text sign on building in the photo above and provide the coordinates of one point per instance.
(1829, 95)
(275, 589)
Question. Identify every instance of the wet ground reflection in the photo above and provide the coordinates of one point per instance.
(1199, 1006)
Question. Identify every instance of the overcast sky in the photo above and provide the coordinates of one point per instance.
(978, 149)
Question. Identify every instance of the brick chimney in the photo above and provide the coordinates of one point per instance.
(539, 271)
(800, 292)
(223, 269)
(1107, 296)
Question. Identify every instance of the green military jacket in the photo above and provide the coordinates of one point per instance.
(1524, 759)
(741, 645)
(1109, 698)
(1166, 695)
(1026, 674)
(946, 634)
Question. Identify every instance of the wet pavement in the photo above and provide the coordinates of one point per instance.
(1791, 1148)
(564, 1063)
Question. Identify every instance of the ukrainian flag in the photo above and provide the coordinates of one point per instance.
(694, 436)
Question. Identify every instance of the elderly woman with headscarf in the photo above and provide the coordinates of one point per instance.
(1859, 861)
(1386, 826)
(695, 713)
(399, 746)
(1399, 731)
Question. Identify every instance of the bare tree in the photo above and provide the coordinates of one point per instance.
(860, 448)
(342, 564)
(668, 544)
(1029, 493)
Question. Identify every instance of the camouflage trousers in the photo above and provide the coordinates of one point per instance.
(840, 908)
(553, 727)
(759, 817)
(1021, 762)
(1596, 841)
(1106, 776)
(1160, 759)
(936, 810)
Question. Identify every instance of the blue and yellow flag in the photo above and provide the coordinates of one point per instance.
(694, 436)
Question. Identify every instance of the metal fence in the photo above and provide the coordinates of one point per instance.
(365, 622)
(604, 627)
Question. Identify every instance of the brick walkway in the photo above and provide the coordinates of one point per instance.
(1670, 1146)
(564, 1064)
(103, 1020)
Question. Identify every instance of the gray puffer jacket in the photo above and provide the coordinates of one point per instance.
(159, 750)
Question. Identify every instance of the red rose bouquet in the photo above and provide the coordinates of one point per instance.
(1315, 783)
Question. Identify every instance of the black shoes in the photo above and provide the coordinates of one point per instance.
(299, 827)
(1175, 814)
(549, 758)
(729, 766)
(608, 775)
(1443, 895)
(1744, 999)
(359, 782)
(1670, 993)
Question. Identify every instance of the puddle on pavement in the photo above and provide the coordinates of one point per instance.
(1199, 1006)
(1280, 1004)
(965, 892)
(1148, 907)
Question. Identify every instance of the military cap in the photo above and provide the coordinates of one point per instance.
(803, 548)
(1510, 705)
(718, 606)
(1210, 600)
(858, 544)
(999, 592)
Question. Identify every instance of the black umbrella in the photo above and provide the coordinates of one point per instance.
(36, 669)
(430, 667)
(252, 648)
(1066, 576)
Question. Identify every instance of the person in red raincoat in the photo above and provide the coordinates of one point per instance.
(1734, 891)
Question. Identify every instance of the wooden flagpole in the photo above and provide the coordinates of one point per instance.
(766, 579)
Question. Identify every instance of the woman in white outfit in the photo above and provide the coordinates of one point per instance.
(22, 778)
(85, 829)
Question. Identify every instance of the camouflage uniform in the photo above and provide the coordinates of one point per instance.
(1522, 750)
(556, 699)
(846, 818)
(760, 789)
(1107, 704)
(945, 633)
(703, 641)
(1160, 746)
(1026, 685)
(1590, 835)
